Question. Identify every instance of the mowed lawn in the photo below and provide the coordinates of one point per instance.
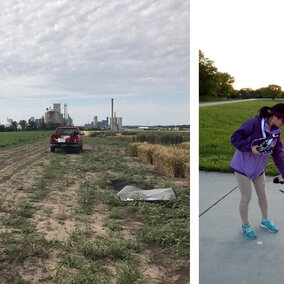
(217, 124)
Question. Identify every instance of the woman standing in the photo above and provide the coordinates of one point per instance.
(250, 159)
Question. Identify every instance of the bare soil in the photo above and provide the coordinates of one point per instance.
(21, 170)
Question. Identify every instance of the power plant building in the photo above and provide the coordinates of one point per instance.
(115, 123)
(95, 121)
(55, 116)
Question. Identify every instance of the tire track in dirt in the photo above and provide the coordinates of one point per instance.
(16, 174)
(17, 159)
(55, 218)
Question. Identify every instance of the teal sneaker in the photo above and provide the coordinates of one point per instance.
(268, 225)
(248, 232)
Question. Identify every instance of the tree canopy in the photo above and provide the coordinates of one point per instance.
(272, 91)
(213, 83)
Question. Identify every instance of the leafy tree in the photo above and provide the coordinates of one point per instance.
(257, 93)
(245, 93)
(51, 125)
(226, 82)
(42, 126)
(14, 125)
(213, 83)
(272, 91)
(31, 124)
(208, 77)
(23, 124)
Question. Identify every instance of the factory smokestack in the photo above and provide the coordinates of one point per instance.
(111, 124)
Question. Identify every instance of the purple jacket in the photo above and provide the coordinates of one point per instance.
(247, 163)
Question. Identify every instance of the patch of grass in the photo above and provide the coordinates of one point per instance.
(68, 181)
(18, 218)
(139, 170)
(99, 141)
(173, 234)
(19, 138)
(71, 260)
(129, 274)
(55, 166)
(110, 199)
(89, 259)
(114, 162)
(113, 249)
(113, 226)
(167, 222)
(79, 235)
(48, 211)
(150, 212)
(26, 210)
(89, 163)
(18, 249)
(39, 191)
(115, 213)
(102, 180)
(90, 274)
(86, 197)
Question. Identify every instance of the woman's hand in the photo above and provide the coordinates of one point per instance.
(254, 150)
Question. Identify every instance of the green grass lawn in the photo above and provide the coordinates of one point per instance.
(20, 138)
(217, 124)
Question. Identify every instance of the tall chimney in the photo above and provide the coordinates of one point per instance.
(111, 124)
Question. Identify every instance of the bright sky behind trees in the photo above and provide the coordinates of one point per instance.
(244, 38)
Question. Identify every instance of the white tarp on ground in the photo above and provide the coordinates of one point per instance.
(130, 193)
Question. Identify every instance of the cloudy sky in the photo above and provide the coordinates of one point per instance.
(244, 38)
(83, 53)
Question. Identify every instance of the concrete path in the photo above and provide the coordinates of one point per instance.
(224, 102)
(225, 256)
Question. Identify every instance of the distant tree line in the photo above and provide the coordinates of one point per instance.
(29, 126)
(215, 84)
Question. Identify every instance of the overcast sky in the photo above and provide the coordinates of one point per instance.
(84, 53)
(244, 38)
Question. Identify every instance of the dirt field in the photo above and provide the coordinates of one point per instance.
(61, 221)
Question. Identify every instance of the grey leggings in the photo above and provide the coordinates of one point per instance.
(246, 191)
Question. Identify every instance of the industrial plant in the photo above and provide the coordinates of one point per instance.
(113, 123)
(55, 116)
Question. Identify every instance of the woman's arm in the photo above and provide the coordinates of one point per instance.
(241, 137)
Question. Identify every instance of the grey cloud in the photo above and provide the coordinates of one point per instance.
(95, 47)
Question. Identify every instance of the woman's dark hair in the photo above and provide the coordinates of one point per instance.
(265, 111)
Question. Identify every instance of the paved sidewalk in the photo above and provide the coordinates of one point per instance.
(225, 256)
(223, 102)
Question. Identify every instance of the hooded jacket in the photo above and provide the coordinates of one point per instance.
(247, 163)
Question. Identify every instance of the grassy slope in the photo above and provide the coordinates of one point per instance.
(216, 125)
